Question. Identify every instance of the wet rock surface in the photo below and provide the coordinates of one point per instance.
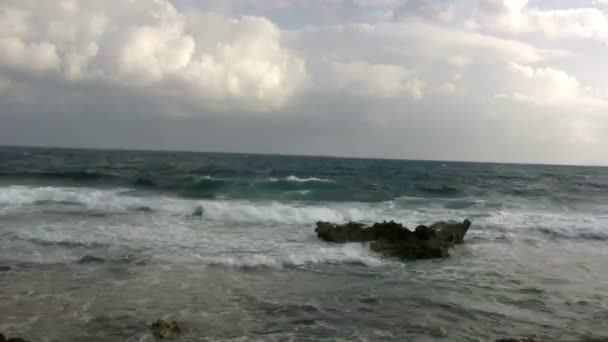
(162, 329)
(392, 239)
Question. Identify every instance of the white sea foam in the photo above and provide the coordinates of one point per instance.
(297, 179)
(239, 211)
(115, 200)
(345, 254)
(289, 213)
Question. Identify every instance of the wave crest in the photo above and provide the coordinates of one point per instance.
(297, 179)
(349, 254)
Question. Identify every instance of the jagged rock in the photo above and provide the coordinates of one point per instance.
(394, 240)
(453, 232)
(162, 329)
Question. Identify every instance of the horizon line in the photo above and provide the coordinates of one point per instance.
(135, 149)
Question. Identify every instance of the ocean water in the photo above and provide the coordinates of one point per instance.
(95, 245)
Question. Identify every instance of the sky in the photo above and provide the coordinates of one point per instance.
(477, 80)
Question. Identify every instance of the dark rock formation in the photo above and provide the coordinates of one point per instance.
(198, 212)
(162, 329)
(394, 240)
(13, 339)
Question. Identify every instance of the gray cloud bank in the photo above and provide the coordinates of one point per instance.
(497, 80)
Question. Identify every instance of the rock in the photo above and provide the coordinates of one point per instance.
(162, 329)
(454, 232)
(349, 232)
(394, 240)
(144, 209)
(90, 259)
(12, 339)
(198, 212)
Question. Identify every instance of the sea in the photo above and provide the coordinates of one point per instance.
(96, 245)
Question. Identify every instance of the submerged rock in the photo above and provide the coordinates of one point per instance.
(91, 259)
(198, 212)
(395, 240)
(162, 329)
(144, 209)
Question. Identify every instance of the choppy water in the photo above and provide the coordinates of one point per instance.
(101, 243)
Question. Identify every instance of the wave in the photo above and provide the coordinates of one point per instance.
(581, 234)
(20, 200)
(17, 198)
(297, 179)
(349, 254)
(90, 199)
(292, 213)
(521, 224)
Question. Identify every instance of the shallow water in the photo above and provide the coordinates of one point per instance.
(102, 243)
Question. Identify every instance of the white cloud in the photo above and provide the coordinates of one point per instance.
(376, 80)
(548, 86)
(517, 16)
(215, 59)
(507, 70)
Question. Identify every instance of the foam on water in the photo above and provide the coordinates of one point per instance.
(103, 199)
(356, 254)
(297, 179)
(517, 220)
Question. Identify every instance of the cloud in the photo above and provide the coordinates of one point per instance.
(213, 59)
(376, 80)
(414, 79)
(519, 17)
(549, 86)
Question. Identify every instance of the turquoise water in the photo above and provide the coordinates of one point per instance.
(101, 243)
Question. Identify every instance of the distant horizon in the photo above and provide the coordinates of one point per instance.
(289, 155)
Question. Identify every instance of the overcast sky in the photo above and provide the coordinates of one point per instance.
(485, 80)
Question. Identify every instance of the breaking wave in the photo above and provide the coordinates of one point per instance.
(300, 180)
(349, 254)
